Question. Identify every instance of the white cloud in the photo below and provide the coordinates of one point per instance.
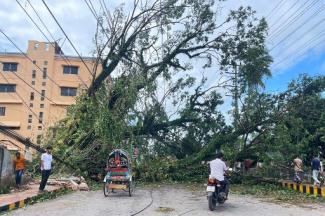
(79, 24)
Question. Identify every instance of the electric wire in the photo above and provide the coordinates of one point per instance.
(299, 27)
(60, 53)
(93, 11)
(24, 102)
(281, 25)
(300, 53)
(109, 20)
(279, 3)
(146, 207)
(302, 47)
(280, 17)
(284, 26)
(13, 43)
(57, 22)
(41, 20)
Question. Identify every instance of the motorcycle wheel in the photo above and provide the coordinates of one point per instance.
(212, 202)
(106, 189)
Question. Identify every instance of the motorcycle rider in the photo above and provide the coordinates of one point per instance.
(218, 170)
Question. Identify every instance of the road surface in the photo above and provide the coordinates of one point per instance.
(167, 200)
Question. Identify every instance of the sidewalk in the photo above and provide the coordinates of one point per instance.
(18, 199)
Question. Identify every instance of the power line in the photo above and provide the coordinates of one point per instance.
(280, 2)
(60, 53)
(21, 98)
(301, 53)
(67, 37)
(13, 43)
(280, 17)
(319, 35)
(109, 17)
(296, 29)
(281, 28)
(92, 6)
(93, 11)
(48, 31)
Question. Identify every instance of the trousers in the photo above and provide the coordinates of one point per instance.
(19, 175)
(45, 177)
(315, 177)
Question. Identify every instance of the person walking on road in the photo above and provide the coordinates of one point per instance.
(298, 169)
(315, 166)
(46, 166)
(19, 166)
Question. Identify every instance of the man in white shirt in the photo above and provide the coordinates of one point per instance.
(46, 166)
(218, 169)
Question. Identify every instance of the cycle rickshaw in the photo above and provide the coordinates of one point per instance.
(119, 173)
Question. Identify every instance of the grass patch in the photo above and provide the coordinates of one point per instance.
(275, 193)
(94, 185)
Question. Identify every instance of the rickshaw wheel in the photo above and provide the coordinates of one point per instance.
(105, 189)
(130, 188)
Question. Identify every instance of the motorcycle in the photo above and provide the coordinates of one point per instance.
(215, 193)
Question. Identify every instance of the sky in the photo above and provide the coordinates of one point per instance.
(296, 38)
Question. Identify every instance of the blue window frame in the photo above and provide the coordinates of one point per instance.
(7, 87)
(10, 66)
(68, 91)
(67, 69)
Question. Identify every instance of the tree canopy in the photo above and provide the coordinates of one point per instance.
(153, 45)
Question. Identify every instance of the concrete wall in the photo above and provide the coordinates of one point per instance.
(6, 167)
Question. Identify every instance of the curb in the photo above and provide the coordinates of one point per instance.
(304, 188)
(22, 203)
(16, 205)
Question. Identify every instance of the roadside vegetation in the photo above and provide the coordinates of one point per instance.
(275, 193)
(148, 95)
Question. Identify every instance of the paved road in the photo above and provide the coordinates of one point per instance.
(170, 200)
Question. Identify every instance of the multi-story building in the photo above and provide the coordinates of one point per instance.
(37, 87)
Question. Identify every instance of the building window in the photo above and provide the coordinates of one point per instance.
(33, 82)
(40, 128)
(30, 119)
(43, 95)
(2, 111)
(10, 66)
(68, 91)
(34, 74)
(44, 73)
(40, 117)
(7, 87)
(43, 83)
(36, 45)
(46, 46)
(31, 105)
(45, 62)
(70, 69)
(34, 62)
(41, 105)
(32, 96)
(29, 127)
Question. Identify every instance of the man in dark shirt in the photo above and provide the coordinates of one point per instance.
(315, 166)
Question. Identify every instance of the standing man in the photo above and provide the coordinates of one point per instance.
(315, 166)
(218, 169)
(19, 166)
(46, 166)
(298, 169)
